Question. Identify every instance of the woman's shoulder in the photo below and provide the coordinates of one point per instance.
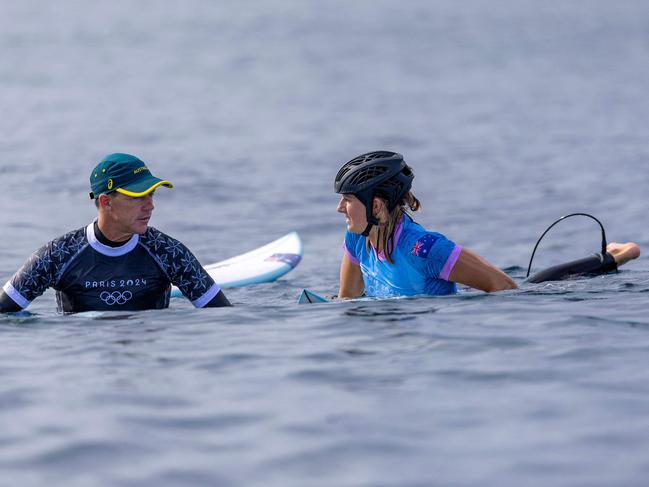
(354, 242)
(352, 237)
(419, 244)
(413, 231)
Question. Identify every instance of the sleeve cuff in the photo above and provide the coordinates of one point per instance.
(207, 297)
(15, 295)
(450, 263)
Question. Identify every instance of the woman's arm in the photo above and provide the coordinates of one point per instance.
(218, 301)
(8, 305)
(351, 279)
(472, 270)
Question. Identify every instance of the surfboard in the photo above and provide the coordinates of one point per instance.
(308, 297)
(264, 264)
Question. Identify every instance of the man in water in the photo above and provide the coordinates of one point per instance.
(117, 262)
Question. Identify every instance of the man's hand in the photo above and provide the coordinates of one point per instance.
(623, 252)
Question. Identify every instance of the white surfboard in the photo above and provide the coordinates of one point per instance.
(264, 264)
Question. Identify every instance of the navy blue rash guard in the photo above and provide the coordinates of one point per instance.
(89, 275)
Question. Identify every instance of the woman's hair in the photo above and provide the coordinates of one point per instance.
(385, 236)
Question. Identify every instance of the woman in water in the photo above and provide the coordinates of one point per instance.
(387, 254)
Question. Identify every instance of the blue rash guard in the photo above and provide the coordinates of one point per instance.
(422, 264)
(89, 275)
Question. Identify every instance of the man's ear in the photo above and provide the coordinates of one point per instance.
(104, 201)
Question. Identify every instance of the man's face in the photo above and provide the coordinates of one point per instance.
(131, 215)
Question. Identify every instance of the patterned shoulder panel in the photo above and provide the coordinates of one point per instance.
(429, 251)
(178, 263)
(421, 247)
(46, 266)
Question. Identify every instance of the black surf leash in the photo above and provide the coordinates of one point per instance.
(598, 263)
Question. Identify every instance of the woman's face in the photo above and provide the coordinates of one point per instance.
(354, 212)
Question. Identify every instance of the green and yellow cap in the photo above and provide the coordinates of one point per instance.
(125, 174)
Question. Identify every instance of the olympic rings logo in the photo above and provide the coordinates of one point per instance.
(115, 297)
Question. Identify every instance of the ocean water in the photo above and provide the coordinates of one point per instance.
(512, 113)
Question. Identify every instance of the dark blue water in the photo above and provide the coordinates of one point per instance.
(512, 112)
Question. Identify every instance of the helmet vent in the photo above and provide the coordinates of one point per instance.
(367, 174)
(371, 156)
(366, 171)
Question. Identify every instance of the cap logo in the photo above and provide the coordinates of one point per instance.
(110, 184)
(140, 169)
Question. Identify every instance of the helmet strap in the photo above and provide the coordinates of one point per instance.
(371, 220)
(369, 226)
(367, 198)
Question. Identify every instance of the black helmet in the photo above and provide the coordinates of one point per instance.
(378, 173)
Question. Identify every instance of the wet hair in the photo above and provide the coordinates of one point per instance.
(385, 236)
